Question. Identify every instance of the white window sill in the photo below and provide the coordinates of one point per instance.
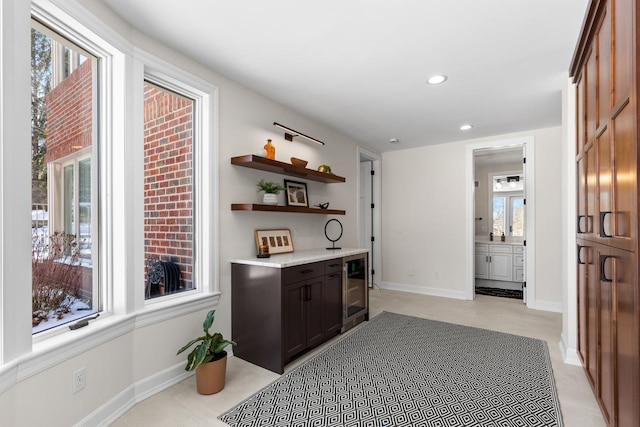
(55, 349)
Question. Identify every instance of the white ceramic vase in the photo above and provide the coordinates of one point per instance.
(270, 199)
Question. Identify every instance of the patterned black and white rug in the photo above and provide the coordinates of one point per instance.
(398, 370)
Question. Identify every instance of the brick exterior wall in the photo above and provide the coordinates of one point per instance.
(69, 115)
(168, 180)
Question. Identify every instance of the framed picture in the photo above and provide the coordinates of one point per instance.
(296, 193)
(278, 241)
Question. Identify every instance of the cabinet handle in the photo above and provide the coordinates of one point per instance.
(603, 215)
(580, 262)
(334, 265)
(334, 275)
(579, 230)
(489, 258)
(306, 271)
(603, 276)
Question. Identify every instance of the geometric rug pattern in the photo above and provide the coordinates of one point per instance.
(398, 370)
(496, 292)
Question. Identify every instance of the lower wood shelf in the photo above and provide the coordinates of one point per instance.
(296, 209)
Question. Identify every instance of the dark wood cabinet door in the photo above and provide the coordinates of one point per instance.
(606, 376)
(592, 283)
(624, 216)
(314, 311)
(333, 303)
(583, 252)
(625, 291)
(294, 324)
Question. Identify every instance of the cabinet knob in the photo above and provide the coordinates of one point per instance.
(579, 224)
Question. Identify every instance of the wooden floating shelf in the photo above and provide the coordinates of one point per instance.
(295, 209)
(262, 163)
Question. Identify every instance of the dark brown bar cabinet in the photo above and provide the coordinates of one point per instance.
(291, 303)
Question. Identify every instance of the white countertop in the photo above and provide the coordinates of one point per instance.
(299, 257)
(496, 240)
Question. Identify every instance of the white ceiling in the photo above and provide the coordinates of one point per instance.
(360, 66)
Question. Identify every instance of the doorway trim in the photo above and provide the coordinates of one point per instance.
(529, 172)
(376, 259)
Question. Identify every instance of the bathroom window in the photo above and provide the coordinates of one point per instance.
(508, 205)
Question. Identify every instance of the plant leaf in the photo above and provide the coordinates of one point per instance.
(192, 342)
(208, 321)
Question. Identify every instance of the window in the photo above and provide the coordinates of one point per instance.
(508, 205)
(168, 191)
(63, 164)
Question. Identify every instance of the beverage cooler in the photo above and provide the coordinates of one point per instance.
(355, 291)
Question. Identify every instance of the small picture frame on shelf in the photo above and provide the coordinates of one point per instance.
(278, 241)
(296, 193)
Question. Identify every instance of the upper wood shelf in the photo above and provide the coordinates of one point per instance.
(275, 208)
(262, 163)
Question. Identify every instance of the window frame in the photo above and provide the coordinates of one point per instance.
(121, 67)
(505, 194)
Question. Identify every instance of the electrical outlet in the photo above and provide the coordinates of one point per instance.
(79, 380)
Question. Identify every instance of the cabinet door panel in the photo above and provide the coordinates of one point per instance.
(500, 267)
(626, 332)
(333, 303)
(590, 94)
(482, 266)
(624, 180)
(623, 50)
(606, 339)
(580, 129)
(604, 195)
(583, 301)
(604, 68)
(581, 196)
(591, 258)
(294, 320)
(314, 311)
(591, 220)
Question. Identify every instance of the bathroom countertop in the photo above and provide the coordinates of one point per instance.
(496, 240)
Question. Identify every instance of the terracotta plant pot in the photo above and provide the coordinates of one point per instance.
(210, 376)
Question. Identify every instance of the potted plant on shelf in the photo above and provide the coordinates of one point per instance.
(208, 358)
(271, 191)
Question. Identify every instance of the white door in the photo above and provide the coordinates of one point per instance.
(366, 229)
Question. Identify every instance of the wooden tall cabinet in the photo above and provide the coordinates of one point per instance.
(605, 71)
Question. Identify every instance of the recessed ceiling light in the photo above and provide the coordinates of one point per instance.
(465, 127)
(437, 79)
(394, 140)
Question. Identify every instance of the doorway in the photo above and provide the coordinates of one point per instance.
(369, 211)
(500, 201)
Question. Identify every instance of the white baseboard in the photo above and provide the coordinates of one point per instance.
(555, 307)
(569, 355)
(125, 400)
(435, 292)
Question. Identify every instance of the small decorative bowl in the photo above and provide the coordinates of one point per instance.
(298, 162)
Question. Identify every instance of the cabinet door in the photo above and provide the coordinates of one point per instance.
(482, 266)
(625, 307)
(333, 303)
(624, 206)
(314, 311)
(295, 339)
(605, 382)
(500, 267)
(583, 301)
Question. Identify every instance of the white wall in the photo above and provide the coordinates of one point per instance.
(424, 229)
(141, 358)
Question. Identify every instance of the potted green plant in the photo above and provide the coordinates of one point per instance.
(208, 358)
(271, 191)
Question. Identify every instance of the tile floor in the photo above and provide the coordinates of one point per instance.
(181, 405)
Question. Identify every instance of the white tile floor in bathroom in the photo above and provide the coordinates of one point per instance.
(181, 405)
